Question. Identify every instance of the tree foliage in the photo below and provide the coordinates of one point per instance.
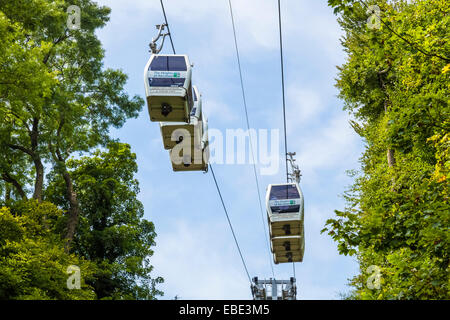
(111, 230)
(33, 263)
(395, 84)
(57, 101)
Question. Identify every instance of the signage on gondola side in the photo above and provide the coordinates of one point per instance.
(167, 74)
(285, 202)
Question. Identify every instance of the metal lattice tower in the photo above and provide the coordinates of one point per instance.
(260, 289)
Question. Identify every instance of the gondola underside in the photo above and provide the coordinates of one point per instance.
(168, 108)
(288, 249)
(286, 228)
(197, 161)
(168, 129)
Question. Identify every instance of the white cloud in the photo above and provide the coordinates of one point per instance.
(305, 103)
(220, 111)
(198, 261)
(210, 26)
(334, 145)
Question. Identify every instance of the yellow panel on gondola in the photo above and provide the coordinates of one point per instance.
(288, 249)
(195, 158)
(174, 132)
(286, 228)
(288, 257)
(190, 163)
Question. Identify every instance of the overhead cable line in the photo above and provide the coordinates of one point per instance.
(284, 102)
(167, 24)
(229, 223)
(250, 137)
(282, 89)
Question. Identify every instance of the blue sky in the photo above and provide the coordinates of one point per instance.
(195, 251)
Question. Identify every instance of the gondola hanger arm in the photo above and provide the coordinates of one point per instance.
(295, 174)
(153, 45)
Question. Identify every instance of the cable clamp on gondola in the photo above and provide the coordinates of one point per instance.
(295, 174)
(153, 45)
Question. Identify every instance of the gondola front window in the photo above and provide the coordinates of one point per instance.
(284, 192)
(167, 71)
(168, 63)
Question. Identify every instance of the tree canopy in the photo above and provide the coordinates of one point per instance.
(395, 84)
(58, 102)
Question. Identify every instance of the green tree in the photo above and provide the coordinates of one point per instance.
(111, 232)
(71, 104)
(57, 101)
(24, 83)
(395, 85)
(33, 263)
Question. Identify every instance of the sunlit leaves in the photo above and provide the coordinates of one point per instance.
(32, 259)
(397, 216)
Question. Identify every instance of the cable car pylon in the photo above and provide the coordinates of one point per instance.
(260, 289)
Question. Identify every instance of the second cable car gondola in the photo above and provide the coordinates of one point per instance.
(186, 156)
(174, 132)
(168, 87)
(285, 213)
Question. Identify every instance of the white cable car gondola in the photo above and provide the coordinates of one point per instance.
(168, 88)
(173, 132)
(285, 212)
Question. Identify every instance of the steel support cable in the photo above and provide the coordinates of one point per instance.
(167, 24)
(282, 89)
(284, 101)
(229, 223)
(250, 138)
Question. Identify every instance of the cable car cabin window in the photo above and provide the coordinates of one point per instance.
(283, 192)
(195, 96)
(193, 111)
(168, 63)
(166, 82)
(285, 209)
